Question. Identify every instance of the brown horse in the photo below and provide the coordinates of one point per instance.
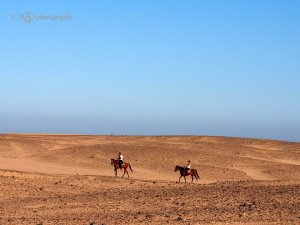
(125, 165)
(184, 173)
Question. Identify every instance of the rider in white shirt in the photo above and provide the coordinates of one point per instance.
(120, 159)
(188, 167)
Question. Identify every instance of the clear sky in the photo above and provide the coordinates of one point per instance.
(152, 67)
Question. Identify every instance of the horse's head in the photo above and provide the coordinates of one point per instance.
(176, 168)
(112, 162)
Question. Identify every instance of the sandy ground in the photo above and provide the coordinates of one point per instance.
(68, 179)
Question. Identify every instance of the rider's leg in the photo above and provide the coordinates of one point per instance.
(120, 164)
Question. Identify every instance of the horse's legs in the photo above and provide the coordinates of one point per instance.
(116, 172)
(125, 170)
(184, 179)
(192, 178)
(179, 178)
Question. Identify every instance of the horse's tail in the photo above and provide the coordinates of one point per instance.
(130, 167)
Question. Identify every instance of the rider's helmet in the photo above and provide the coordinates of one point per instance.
(189, 161)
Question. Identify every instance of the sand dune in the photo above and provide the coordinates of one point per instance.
(68, 179)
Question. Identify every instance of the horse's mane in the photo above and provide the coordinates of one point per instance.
(180, 167)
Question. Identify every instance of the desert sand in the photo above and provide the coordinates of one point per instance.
(68, 179)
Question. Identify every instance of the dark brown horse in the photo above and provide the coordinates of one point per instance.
(125, 165)
(184, 173)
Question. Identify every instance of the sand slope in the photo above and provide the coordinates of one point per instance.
(68, 179)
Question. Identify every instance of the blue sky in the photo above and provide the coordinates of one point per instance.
(228, 68)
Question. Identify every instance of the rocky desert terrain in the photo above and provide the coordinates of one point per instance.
(68, 179)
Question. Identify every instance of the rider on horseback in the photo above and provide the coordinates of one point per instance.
(188, 167)
(120, 159)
